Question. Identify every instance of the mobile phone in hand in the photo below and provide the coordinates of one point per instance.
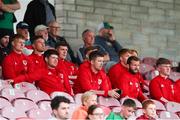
(119, 91)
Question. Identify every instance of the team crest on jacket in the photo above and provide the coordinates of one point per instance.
(61, 75)
(24, 62)
(99, 81)
(162, 85)
(49, 73)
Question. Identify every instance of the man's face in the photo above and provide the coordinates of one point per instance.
(124, 58)
(4, 41)
(62, 50)
(91, 101)
(151, 110)
(164, 69)
(89, 38)
(23, 32)
(97, 63)
(134, 66)
(18, 44)
(127, 111)
(39, 45)
(52, 61)
(43, 33)
(63, 111)
(54, 29)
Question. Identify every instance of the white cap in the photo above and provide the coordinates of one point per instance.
(40, 27)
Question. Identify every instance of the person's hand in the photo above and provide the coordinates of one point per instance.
(113, 93)
(111, 36)
(10, 81)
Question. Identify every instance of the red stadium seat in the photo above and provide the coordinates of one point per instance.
(39, 114)
(108, 101)
(12, 112)
(37, 95)
(168, 115)
(45, 105)
(57, 93)
(25, 86)
(11, 93)
(24, 104)
(4, 102)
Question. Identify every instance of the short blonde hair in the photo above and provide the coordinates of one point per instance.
(86, 96)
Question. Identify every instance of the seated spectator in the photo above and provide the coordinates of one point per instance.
(149, 110)
(88, 98)
(54, 37)
(88, 39)
(4, 49)
(118, 69)
(48, 79)
(130, 82)
(42, 30)
(36, 60)
(92, 77)
(161, 87)
(63, 65)
(177, 91)
(22, 29)
(127, 109)
(60, 107)
(95, 112)
(15, 63)
(133, 52)
(106, 39)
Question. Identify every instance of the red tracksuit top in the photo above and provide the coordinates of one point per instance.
(14, 65)
(161, 87)
(35, 62)
(115, 72)
(130, 86)
(67, 67)
(177, 91)
(144, 117)
(87, 80)
(48, 80)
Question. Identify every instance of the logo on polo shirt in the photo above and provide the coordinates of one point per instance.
(24, 62)
(162, 85)
(99, 81)
(49, 73)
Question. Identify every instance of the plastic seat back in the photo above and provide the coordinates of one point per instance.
(173, 107)
(25, 86)
(45, 105)
(39, 114)
(168, 115)
(57, 93)
(108, 102)
(4, 102)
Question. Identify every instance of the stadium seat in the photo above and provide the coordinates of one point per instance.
(45, 105)
(2, 118)
(174, 76)
(11, 93)
(116, 109)
(72, 108)
(57, 93)
(138, 103)
(39, 114)
(24, 104)
(37, 95)
(159, 105)
(173, 107)
(25, 86)
(77, 98)
(152, 74)
(139, 112)
(106, 110)
(4, 102)
(4, 84)
(144, 68)
(168, 115)
(11, 112)
(149, 60)
(108, 101)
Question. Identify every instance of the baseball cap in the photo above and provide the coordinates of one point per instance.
(40, 27)
(105, 25)
(22, 25)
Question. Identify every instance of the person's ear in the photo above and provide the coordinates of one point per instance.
(46, 59)
(55, 112)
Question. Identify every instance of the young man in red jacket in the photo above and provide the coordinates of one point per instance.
(118, 69)
(36, 60)
(69, 68)
(15, 63)
(92, 77)
(48, 79)
(129, 82)
(161, 87)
